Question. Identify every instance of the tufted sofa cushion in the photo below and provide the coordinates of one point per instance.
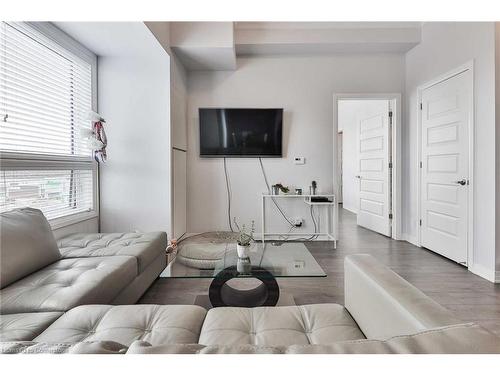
(275, 326)
(25, 327)
(68, 283)
(173, 324)
(145, 247)
(26, 244)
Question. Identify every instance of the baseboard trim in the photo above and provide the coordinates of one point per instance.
(485, 273)
(350, 210)
(409, 238)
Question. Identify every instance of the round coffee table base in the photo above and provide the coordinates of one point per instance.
(266, 294)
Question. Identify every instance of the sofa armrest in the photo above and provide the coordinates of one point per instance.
(384, 305)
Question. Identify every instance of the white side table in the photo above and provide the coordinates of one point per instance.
(332, 215)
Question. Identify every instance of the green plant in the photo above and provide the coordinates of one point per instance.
(245, 238)
(284, 189)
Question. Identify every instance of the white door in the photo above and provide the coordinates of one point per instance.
(374, 152)
(444, 166)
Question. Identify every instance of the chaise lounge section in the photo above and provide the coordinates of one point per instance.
(36, 276)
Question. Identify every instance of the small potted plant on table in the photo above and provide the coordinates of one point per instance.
(244, 239)
(279, 187)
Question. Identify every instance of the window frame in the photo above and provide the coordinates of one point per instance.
(25, 161)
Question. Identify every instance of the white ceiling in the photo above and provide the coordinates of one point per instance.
(262, 38)
(216, 45)
(325, 25)
(204, 45)
(111, 38)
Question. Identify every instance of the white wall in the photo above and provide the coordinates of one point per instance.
(134, 98)
(446, 46)
(304, 87)
(179, 99)
(178, 125)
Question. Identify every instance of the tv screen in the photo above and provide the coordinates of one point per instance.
(241, 132)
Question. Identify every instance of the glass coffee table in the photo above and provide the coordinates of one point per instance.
(266, 263)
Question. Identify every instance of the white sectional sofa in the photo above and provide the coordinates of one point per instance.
(37, 275)
(382, 314)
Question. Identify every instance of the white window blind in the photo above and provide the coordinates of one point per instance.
(57, 193)
(45, 96)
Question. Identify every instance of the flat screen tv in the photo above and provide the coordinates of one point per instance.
(241, 132)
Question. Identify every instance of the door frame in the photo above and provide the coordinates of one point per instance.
(395, 98)
(470, 194)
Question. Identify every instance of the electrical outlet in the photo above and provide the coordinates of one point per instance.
(297, 221)
(299, 264)
(299, 160)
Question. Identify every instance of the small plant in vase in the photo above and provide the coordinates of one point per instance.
(283, 189)
(244, 239)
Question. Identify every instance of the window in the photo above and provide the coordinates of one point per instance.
(46, 93)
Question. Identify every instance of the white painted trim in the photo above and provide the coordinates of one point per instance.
(485, 273)
(350, 210)
(72, 219)
(470, 196)
(409, 238)
(396, 106)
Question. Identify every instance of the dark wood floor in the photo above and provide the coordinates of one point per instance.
(470, 297)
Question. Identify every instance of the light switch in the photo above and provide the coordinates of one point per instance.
(299, 160)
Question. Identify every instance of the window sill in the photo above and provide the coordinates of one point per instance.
(72, 219)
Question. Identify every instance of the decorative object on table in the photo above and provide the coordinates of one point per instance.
(96, 136)
(244, 239)
(279, 187)
(243, 266)
(298, 191)
(321, 200)
(313, 187)
(171, 250)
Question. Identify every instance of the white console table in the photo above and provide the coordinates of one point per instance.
(332, 215)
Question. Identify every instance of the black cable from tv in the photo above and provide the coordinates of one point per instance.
(314, 236)
(269, 192)
(228, 198)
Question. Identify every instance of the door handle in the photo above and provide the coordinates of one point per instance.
(358, 176)
(461, 182)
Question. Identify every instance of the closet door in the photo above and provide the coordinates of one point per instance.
(444, 166)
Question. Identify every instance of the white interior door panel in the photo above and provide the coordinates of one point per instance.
(374, 151)
(445, 122)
